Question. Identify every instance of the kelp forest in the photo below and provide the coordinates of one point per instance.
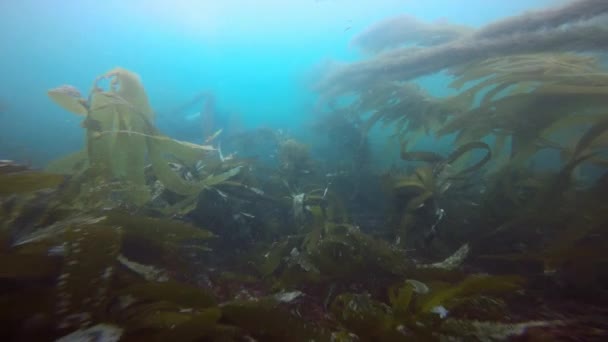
(503, 235)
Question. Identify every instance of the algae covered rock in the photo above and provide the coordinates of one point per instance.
(273, 318)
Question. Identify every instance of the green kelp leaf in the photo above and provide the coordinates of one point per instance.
(117, 146)
(154, 244)
(181, 208)
(183, 150)
(163, 231)
(158, 156)
(472, 285)
(160, 153)
(165, 174)
(128, 86)
(40, 239)
(272, 258)
(101, 147)
(28, 181)
(212, 180)
(119, 156)
(181, 294)
(68, 98)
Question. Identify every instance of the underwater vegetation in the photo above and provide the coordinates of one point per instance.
(577, 26)
(405, 29)
(502, 236)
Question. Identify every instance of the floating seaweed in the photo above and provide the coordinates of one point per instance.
(576, 26)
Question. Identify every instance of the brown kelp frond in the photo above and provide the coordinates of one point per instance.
(415, 196)
(472, 285)
(98, 269)
(402, 64)
(439, 163)
(583, 151)
(546, 73)
(531, 98)
(405, 107)
(406, 29)
(128, 86)
(432, 180)
(542, 19)
(122, 140)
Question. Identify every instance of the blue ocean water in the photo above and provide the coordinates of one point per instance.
(257, 57)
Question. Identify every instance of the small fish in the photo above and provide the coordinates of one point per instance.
(441, 311)
(58, 250)
(175, 166)
(230, 157)
(9, 166)
(222, 194)
(192, 116)
(325, 192)
(256, 190)
(287, 297)
(199, 166)
(347, 28)
(246, 214)
(219, 151)
(188, 176)
(335, 174)
(213, 136)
